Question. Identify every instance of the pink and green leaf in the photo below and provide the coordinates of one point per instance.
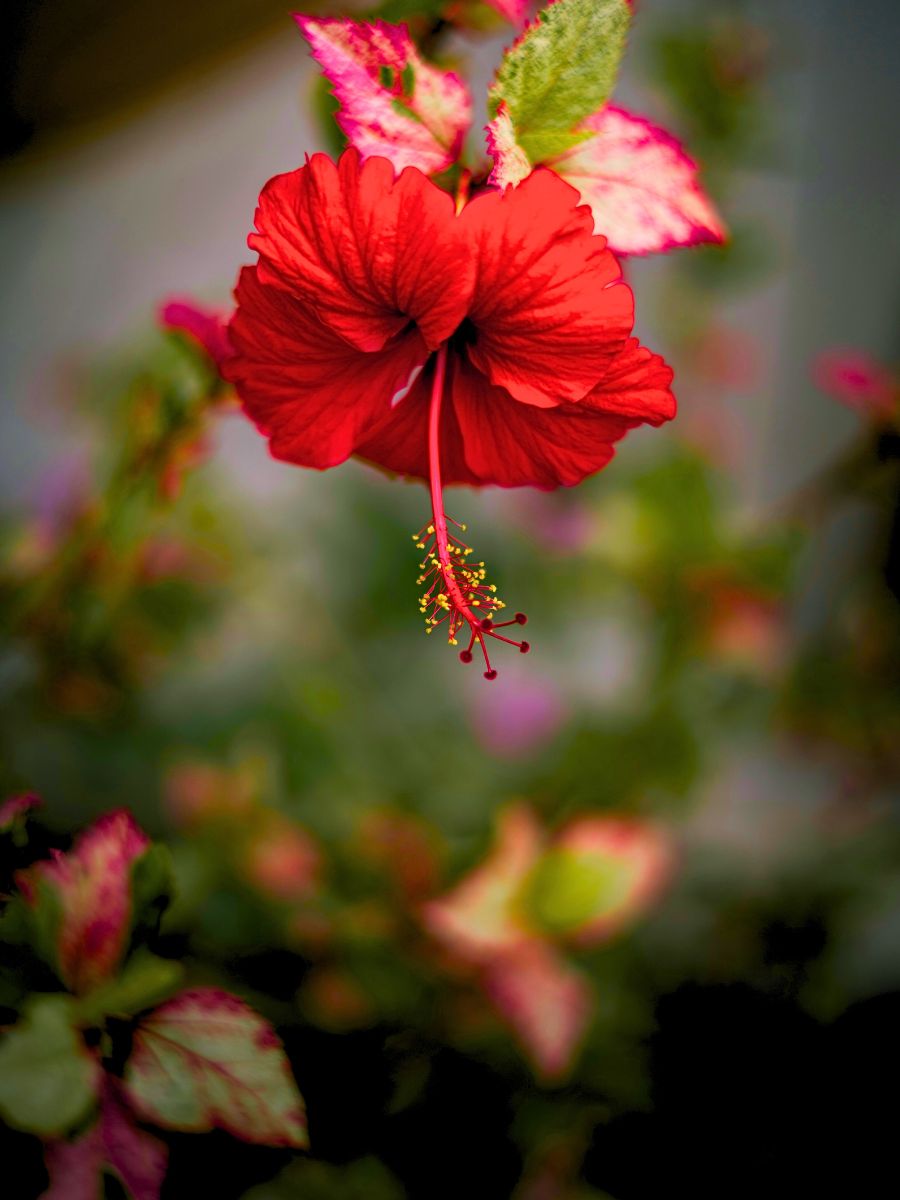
(205, 1060)
(562, 69)
(642, 188)
(600, 874)
(511, 164)
(392, 102)
(82, 901)
(115, 1143)
(481, 916)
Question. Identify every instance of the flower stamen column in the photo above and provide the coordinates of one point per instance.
(457, 587)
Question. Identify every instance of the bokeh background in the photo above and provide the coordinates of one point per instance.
(231, 647)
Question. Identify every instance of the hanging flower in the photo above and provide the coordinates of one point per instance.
(485, 342)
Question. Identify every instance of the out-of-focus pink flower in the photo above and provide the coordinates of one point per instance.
(62, 494)
(282, 860)
(748, 632)
(198, 792)
(859, 381)
(727, 358)
(208, 327)
(560, 522)
(744, 625)
(520, 714)
(334, 1000)
(405, 847)
(92, 888)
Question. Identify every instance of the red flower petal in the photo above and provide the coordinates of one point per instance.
(305, 388)
(638, 384)
(518, 445)
(399, 440)
(550, 307)
(368, 252)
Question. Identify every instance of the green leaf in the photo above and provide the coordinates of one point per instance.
(561, 70)
(365, 1179)
(44, 916)
(48, 1079)
(545, 144)
(566, 890)
(145, 981)
(152, 887)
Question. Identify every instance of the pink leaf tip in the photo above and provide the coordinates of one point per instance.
(393, 103)
(642, 188)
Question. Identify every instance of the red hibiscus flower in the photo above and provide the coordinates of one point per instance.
(478, 343)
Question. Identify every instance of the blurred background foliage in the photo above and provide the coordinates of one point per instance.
(246, 672)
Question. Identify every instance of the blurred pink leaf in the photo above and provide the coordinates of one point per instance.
(206, 1060)
(481, 916)
(14, 810)
(545, 1001)
(392, 102)
(91, 888)
(513, 10)
(137, 1157)
(208, 327)
(74, 1167)
(642, 188)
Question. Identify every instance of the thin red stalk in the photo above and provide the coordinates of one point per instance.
(437, 495)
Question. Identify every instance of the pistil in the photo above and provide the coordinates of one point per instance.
(457, 586)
